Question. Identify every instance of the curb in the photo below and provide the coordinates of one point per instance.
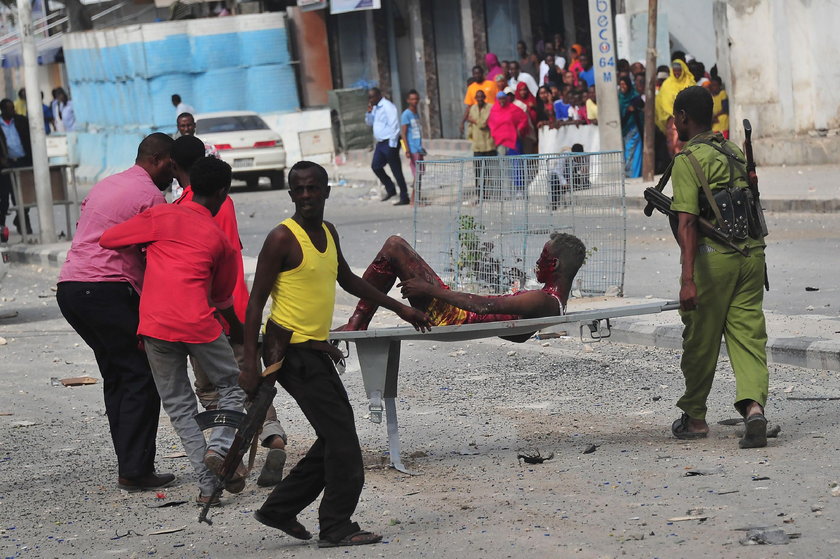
(800, 351)
(769, 205)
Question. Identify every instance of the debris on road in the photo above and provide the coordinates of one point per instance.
(534, 457)
(705, 471)
(168, 531)
(78, 381)
(774, 536)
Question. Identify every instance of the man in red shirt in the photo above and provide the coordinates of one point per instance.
(186, 151)
(188, 254)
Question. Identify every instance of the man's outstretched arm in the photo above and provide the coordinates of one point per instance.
(531, 304)
(354, 285)
(270, 263)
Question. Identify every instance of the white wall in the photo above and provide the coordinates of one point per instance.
(689, 23)
(795, 84)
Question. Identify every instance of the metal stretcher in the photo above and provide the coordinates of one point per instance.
(379, 352)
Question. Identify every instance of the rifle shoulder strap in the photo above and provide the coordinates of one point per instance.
(666, 176)
(704, 183)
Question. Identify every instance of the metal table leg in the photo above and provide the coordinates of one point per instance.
(379, 360)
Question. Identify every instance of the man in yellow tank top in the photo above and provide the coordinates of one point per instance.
(298, 266)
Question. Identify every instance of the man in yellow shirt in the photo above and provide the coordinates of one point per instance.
(20, 102)
(489, 88)
(298, 266)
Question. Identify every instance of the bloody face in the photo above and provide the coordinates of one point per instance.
(547, 264)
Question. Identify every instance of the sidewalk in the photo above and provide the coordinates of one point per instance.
(798, 340)
(812, 188)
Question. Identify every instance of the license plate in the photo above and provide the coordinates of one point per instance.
(247, 162)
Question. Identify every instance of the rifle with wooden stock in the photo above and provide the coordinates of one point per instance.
(248, 425)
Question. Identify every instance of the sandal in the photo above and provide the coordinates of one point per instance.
(291, 527)
(680, 429)
(755, 435)
(359, 537)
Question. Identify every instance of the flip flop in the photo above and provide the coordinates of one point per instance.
(359, 537)
(680, 430)
(755, 435)
(291, 527)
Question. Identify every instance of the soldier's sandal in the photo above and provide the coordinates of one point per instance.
(680, 429)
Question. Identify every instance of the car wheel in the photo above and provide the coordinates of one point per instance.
(278, 180)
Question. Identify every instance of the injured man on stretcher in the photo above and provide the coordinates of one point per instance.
(561, 258)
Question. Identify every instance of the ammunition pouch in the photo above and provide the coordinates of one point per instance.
(736, 208)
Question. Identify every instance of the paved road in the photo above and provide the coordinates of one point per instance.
(800, 254)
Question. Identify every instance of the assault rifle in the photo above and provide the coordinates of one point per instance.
(248, 425)
(658, 201)
(752, 178)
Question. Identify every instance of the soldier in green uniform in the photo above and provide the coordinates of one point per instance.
(721, 289)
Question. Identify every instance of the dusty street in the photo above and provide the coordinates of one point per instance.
(466, 411)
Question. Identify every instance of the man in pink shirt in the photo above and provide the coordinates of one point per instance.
(508, 123)
(99, 295)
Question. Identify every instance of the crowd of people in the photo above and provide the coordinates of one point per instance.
(555, 86)
(16, 145)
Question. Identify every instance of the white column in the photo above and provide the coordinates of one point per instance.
(604, 59)
(40, 163)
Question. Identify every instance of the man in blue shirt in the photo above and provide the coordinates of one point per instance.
(411, 132)
(588, 73)
(15, 151)
(383, 117)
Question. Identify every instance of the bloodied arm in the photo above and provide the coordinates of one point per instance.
(357, 286)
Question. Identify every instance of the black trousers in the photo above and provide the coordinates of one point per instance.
(334, 463)
(105, 315)
(7, 195)
(383, 154)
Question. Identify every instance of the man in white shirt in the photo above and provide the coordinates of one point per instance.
(180, 106)
(516, 76)
(382, 115)
(559, 62)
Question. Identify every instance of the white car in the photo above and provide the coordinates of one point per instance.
(245, 142)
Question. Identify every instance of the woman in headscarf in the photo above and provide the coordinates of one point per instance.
(493, 66)
(679, 79)
(523, 94)
(575, 66)
(631, 107)
(545, 107)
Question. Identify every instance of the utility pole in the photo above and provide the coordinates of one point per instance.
(40, 163)
(606, 78)
(648, 154)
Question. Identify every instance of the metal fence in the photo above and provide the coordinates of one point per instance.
(481, 222)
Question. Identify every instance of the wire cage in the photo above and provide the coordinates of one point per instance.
(481, 222)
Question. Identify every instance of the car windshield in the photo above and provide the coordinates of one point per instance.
(229, 124)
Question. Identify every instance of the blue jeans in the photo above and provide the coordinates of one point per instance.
(386, 154)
